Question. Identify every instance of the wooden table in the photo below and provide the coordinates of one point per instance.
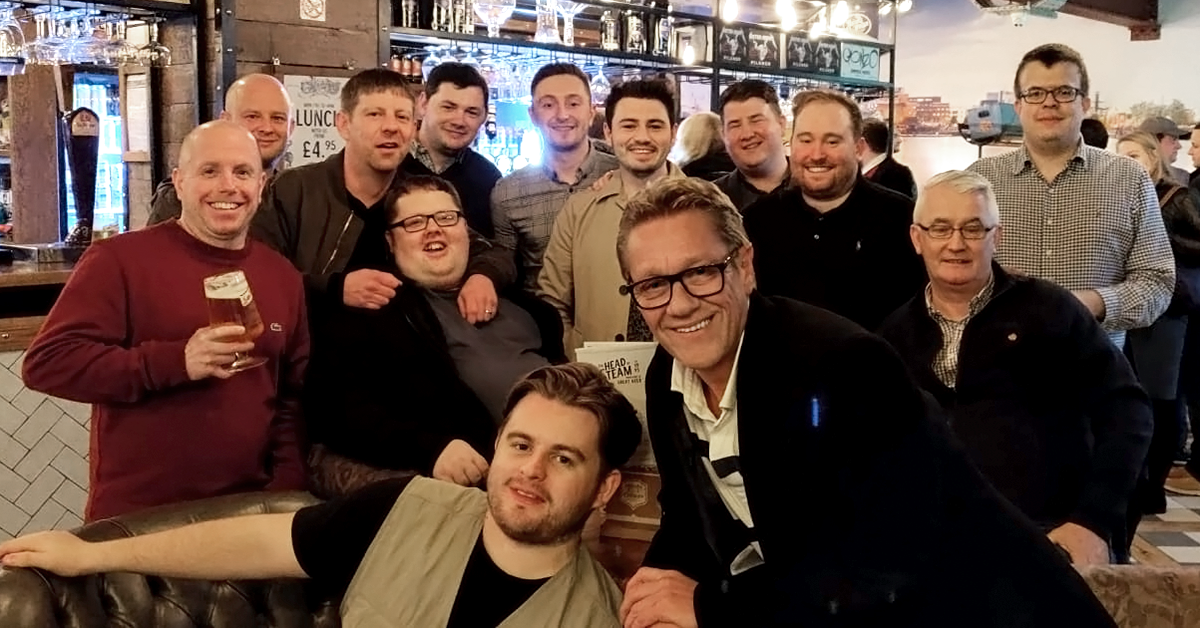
(27, 292)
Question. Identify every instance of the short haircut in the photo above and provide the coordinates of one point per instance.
(648, 89)
(673, 197)
(877, 135)
(963, 182)
(1094, 133)
(1050, 55)
(742, 91)
(583, 386)
(370, 82)
(457, 74)
(1150, 146)
(407, 184)
(808, 97)
(561, 69)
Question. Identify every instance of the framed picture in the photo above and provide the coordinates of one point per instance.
(828, 58)
(763, 48)
(732, 46)
(801, 53)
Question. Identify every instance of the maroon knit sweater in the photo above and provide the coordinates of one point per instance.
(115, 339)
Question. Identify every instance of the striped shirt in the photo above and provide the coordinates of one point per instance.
(1096, 226)
(945, 363)
(526, 202)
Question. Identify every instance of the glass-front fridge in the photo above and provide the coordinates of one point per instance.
(99, 91)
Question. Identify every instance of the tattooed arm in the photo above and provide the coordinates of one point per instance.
(336, 476)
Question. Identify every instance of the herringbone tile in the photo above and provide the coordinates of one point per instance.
(43, 456)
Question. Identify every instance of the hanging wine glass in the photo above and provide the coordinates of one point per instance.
(600, 86)
(154, 54)
(494, 13)
(12, 42)
(568, 10)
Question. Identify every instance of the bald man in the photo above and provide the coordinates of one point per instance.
(261, 105)
(131, 335)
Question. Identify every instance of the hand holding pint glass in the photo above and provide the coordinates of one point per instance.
(230, 302)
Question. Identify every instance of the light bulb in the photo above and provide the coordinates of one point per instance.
(729, 10)
(782, 6)
(787, 19)
(689, 55)
(841, 13)
(904, 6)
(885, 8)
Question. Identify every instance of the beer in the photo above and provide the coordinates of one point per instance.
(230, 302)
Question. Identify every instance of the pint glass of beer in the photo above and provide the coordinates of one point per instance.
(230, 302)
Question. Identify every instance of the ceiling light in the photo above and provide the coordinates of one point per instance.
(729, 10)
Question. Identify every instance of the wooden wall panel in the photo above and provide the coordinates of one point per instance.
(313, 46)
(34, 155)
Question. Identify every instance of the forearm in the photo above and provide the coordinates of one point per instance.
(238, 548)
(1122, 439)
(88, 371)
(494, 262)
(1139, 300)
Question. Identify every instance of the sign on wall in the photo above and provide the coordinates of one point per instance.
(316, 101)
(860, 62)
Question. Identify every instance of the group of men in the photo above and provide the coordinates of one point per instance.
(993, 415)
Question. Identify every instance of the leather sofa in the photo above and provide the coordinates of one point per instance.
(34, 599)
(1136, 596)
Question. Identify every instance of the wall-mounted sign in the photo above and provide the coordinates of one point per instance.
(317, 100)
(801, 53)
(828, 57)
(732, 46)
(763, 48)
(313, 10)
(860, 62)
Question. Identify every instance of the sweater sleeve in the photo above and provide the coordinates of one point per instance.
(287, 459)
(82, 352)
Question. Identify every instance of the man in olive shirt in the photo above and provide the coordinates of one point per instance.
(258, 103)
(511, 556)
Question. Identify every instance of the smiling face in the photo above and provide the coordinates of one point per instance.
(436, 256)
(955, 262)
(562, 111)
(702, 333)
(824, 151)
(379, 130)
(545, 478)
(219, 181)
(451, 117)
(753, 134)
(260, 104)
(1134, 151)
(1051, 123)
(641, 135)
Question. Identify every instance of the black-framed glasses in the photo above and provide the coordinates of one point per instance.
(699, 281)
(1064, 94)
(413, 224)
(973, 231)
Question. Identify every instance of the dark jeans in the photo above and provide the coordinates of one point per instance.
(1189, 391)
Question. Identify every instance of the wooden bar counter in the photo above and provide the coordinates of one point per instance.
(27, 292)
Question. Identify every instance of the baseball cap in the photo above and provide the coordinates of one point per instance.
(1159, 125)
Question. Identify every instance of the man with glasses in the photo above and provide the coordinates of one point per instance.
(1084, 218)
(804, 480)
(1047, 407)
(414, 387)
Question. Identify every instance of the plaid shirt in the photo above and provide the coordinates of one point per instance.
(945, 363)
(421, 153)
(1096, 226)
(526, 202)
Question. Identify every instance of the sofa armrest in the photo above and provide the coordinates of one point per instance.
(1143, 596)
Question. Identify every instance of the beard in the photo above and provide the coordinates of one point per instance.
(839, 185)
(552, 529)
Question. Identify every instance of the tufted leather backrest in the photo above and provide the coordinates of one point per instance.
(35, 599)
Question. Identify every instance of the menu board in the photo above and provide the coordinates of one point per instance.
(316, 100)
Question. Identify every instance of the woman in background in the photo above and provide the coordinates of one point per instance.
(699, 150)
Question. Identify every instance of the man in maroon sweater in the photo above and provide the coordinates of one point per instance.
(130, 335)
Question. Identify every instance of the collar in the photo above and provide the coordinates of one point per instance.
(687, 382)
(587, 168)
(873, 163)
(745, 183)
(1023, 161)
(418, 150)
(980, 299)
(616, 187)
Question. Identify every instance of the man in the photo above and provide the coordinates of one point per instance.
(804, 482)
(452, 107)
(1047, 407)
(1169, 135)
(1094, 133)
(509, 557)
(1194, 153)
(131, 335)
(1084, 218)
(328, 218)
(260, 104)
(752, 127)
(580, 275)
(375, 414)
(833, 239)
(878, 165)
(526, 202)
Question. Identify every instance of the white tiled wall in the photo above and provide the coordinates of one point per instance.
(43, 456)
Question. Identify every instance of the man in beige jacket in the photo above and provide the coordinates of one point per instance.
(510, 558)
(580, 276)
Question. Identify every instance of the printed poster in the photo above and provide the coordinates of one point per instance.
(317, 100)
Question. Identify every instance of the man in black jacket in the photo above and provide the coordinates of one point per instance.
(1047, 407)
(878, 165)
(413, 387)
(805, 481)
(833, 239)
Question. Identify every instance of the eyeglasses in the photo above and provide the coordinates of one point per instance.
(1064, 94)
(698, 281)
(419, 222)
(973, 231)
